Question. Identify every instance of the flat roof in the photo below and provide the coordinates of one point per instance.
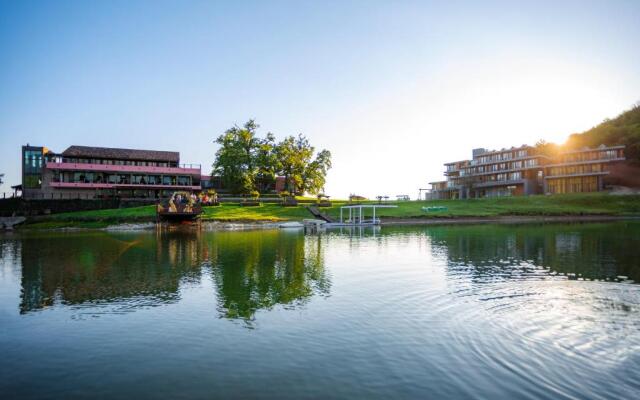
(524, 146)
(457, 162)
(121, 154)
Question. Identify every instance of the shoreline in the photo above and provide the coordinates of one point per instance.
(506, 219)
(210, 224)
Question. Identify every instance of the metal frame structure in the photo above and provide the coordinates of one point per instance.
(357, 218)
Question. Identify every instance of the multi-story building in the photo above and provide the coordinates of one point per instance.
(527, 170)
(99, 172)
(583, 170)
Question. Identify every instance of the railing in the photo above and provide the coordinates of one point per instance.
(65, 196)
(8, 195)
(125, 182)
(124, 168)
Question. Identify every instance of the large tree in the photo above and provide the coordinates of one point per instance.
(266, 163)
(246, 162)
(302, 172)
(236, 158)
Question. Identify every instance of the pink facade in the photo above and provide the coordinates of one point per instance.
(75, 185)
(121, 168)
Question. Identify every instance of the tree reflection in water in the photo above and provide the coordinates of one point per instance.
(260, 269)
(251, 270)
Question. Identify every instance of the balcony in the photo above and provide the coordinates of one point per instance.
(185, 169)
(498, 183)
(106, 185)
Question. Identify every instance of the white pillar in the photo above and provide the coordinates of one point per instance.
(340, 214)
(374, 215)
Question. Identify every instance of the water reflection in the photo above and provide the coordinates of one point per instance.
(99, 268)
(585, 251)
(251, 270)
(258, 270)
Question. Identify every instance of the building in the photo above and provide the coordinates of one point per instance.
(100, 172)
(583, 170)
(209, 182)
(527, 170)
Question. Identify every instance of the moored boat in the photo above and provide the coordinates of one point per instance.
(180, 207)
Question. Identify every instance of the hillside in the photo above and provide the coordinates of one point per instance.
(624, 129)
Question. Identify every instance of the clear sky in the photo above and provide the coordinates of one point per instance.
(393, 88)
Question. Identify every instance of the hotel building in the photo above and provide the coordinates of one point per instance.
(526, 170)
(99, 172)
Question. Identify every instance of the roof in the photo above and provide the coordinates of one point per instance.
(602, 147)
(121, 154)
(457, 162)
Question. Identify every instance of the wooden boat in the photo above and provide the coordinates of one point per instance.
(178, 210)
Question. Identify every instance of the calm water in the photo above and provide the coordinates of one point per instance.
(494, 312)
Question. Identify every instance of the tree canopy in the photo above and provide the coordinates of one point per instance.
(622, 130)
(246, 162)
(1, 181)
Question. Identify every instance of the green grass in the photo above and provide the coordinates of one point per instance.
(570, 204)
(575, 204)
(265, 212)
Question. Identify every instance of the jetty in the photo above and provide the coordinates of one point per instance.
(356, 214)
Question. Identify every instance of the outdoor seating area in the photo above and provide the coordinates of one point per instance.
(180, 206)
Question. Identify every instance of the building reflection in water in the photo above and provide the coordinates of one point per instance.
(258, 270)
(251, 270)
(589, 251)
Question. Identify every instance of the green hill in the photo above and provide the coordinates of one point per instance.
(624, 129)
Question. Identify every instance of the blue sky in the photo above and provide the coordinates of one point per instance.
(394, 89)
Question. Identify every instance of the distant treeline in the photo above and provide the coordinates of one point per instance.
(622, 130)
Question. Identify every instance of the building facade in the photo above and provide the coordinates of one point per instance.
(583, 170)
(99, 172)
(527, 170)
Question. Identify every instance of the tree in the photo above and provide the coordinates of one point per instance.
(547, 148)
(246, 162)
(236, 158)
(301, 171)
(292, 155)
(266, 163)
(1, 176)
(315, 173)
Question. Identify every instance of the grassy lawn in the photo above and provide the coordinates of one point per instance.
(576, 204)
(570, 204)
(265, 212)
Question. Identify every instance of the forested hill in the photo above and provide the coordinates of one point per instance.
(624, 129)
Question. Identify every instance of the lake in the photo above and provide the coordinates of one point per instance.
(487, 311)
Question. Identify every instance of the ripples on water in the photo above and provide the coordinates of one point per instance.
(548, 311)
